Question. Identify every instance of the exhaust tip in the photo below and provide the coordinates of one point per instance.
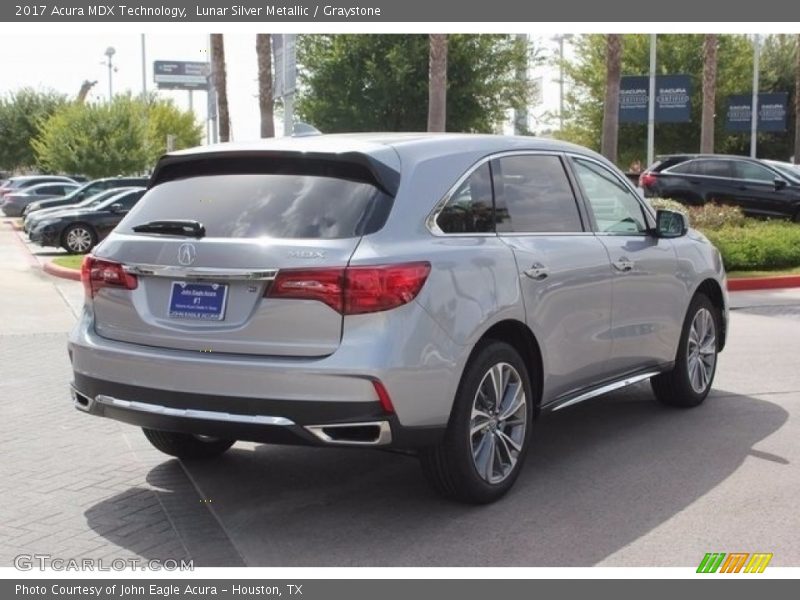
(377, 433)
(80, 401)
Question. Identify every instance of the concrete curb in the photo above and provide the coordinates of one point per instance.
(62, 272)
(744, 284)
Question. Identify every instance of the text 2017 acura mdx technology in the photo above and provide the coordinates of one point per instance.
(432, 293)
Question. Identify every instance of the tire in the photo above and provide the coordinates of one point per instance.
(186, 445)
(78, 238)
(454, 466)
(677, 387)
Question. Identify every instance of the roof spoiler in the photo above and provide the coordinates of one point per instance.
(348, 165)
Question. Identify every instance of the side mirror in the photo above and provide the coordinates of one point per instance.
(115, 208)
(779, 184)
(671, 224)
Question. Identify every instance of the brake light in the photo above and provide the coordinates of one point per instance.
(646, 179)
(97, 273)
(353, 290)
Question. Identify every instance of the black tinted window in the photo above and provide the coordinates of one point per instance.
(266, 205)
(686, 168)
(129, 200)
(754, 172)
(714, 168)
(534, 195)
(469, 209)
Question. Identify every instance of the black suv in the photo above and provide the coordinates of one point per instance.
(754, 185)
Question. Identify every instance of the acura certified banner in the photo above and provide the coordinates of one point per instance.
(772, 108)
(673, 99)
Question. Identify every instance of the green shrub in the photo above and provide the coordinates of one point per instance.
(710, 216)
(758, 245)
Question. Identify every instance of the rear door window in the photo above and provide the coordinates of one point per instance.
(715, 168)
(273, 205)
(533, 195)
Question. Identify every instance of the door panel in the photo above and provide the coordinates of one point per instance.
(564, 273)
(647, 300)
(566, 287)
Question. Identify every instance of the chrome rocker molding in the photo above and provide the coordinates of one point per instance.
(615, 385)
(383, 433)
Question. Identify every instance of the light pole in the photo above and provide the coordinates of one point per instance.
(754, 102)
(560, 39)
(110, 52)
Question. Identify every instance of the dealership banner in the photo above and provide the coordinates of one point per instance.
(383, 11)
(673, 99)
(772, 110)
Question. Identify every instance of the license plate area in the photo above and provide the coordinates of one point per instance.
(198, 301)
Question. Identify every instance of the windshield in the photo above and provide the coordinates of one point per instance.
(787, 170)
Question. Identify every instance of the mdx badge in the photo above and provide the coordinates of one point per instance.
(306, 254)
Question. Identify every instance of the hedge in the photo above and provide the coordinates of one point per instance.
(746, 244)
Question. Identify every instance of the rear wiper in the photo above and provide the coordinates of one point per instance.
(179, 227)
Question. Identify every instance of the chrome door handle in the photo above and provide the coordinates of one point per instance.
(537, 271)
(624, 265)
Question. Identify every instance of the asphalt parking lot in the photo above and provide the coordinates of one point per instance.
(618, 481)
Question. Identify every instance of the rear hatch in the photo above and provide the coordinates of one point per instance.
(208, 282)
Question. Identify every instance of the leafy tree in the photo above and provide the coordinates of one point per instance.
(677, 54)
(778, 62)
(122, 137)
(163, 118)
(380, 82)
(21, 113)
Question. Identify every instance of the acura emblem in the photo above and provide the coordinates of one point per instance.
(186, 254)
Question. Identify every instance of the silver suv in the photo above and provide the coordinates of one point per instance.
(432, 293)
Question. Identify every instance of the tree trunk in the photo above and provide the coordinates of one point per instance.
(265, 102)
(709, 93)
(437, 83)
(220, 85)
(608, 143)
(797, 104)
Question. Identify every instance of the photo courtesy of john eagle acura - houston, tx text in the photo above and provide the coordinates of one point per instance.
(426, 293)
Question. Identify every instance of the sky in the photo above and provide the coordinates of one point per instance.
(63, 61)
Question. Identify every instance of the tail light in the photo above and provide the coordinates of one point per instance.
(353, 290)
(646, 179)
(97, 273)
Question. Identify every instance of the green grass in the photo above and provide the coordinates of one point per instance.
(70, 262)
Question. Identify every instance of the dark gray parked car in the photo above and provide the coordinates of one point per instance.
(14, 203)
(432, 293)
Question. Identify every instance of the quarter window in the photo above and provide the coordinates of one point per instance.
(615, 208)
(469, 209)
(714, 168)
(533, 195)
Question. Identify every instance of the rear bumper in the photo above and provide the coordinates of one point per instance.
(344, 424)
(419, 373)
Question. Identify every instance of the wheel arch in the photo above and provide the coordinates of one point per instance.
(518, 335)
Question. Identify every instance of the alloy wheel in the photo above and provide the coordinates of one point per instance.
(701, 350)
(498, 423)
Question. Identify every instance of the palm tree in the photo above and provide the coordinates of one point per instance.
(265, 102)
(608, 142)
(437, 83)
(709, 93)
(220, 85)
(797, 104)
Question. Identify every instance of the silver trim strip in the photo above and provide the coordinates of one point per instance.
(175, 272)
(208, 415)
(607, 388)
(384, 433)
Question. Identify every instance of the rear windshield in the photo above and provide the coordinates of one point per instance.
(266, 205)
